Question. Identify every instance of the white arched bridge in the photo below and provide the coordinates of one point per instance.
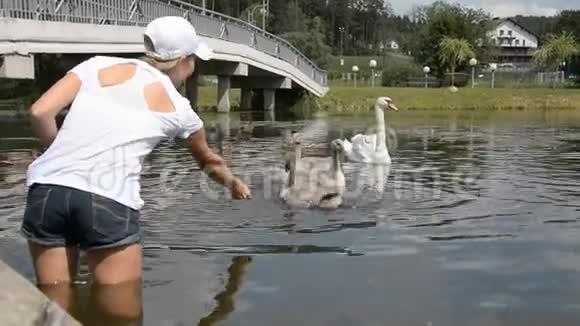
(246, 56)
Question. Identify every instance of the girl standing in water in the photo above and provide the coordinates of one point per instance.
(84, 190)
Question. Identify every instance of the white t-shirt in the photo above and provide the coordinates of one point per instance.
(108, 132)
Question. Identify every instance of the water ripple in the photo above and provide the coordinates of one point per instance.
(469, 237)
(486, 180)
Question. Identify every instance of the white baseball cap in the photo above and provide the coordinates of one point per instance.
(173, 37)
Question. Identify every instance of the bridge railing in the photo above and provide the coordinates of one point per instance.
(140, 12)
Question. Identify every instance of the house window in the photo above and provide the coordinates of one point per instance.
(517, 42)
(510, 33)
(524, 42)
(501, 32)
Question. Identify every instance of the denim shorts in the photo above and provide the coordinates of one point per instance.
(58, 216)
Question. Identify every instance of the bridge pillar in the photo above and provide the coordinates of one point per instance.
(270, 115)
(246, 99)
(17, 66)
(191, 89)
(224, 85)
(269, 99)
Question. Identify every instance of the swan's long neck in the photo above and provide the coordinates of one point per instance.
(381, 133)
(292, 174)
(297, 153)
(293, 165)
(335, 161)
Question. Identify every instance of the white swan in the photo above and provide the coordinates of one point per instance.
(371, 148)
(315, 181)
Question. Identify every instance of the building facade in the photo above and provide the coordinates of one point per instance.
(515, 45)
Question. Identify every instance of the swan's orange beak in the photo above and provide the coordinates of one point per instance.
(393, 107)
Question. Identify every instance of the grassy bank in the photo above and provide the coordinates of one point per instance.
(349, 100)
(346, 99)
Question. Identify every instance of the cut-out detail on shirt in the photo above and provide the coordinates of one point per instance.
(157, 98)
(110, 130)
(117, 74)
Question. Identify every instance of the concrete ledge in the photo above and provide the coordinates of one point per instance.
(223, 68)
(22, 304)
(261, 82)
(12, 29)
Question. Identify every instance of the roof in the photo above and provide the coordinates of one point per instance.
(511, 20)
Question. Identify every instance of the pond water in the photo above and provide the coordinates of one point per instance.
(477, 223)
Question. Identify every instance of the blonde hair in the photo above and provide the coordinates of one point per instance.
(162, 65)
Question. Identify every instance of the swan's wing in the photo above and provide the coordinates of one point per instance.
(357, 139)
(346, 147)
(314, 181)
(304, 191)
(363, 142)
(363, 148)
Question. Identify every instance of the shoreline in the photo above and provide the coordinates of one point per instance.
(344, 100)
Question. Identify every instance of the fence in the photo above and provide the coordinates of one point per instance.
(503, 79)
(140, 12)
(520, 79)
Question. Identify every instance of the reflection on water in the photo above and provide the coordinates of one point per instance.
(225, 299)
(109, 304)
(475, 223)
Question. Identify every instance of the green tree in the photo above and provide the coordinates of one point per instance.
(311, 42)
(338, 15)
(361, 24)
(368, 25)
(453, 52)
(442, 20)
(569, 21)
(557, 49)
(287, 16)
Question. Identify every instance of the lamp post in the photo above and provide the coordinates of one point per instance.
(493, 68)
(473, 63)
(354, 70)
(341, 30)
(342, 73)
(426, 70)
(373, 65)
(251, 14)
(263, 11)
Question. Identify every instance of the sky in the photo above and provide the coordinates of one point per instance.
(499, 8)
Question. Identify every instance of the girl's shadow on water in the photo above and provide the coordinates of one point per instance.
(122, 304)
(226, 299)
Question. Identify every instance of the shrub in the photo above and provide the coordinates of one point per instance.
(400, 75)
(461, 79)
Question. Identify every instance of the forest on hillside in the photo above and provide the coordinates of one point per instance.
(363, 27)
